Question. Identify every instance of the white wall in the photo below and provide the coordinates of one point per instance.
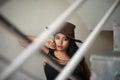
(92, 11)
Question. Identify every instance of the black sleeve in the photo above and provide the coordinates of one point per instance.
(51, 52)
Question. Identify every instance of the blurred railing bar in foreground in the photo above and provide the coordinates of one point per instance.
(53, 28)
(10, 27)
(70, 67)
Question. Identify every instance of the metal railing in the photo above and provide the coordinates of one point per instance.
(70, 67)
(29, 51)
(38, 43)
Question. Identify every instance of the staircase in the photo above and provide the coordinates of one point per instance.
(106, 65)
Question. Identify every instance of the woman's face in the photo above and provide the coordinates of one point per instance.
(61, 41)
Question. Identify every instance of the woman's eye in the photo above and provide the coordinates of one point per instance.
(57, 37)
(66, 39)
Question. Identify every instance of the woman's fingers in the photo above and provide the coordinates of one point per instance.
(50, 44)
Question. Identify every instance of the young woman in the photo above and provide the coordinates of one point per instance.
(61, 49)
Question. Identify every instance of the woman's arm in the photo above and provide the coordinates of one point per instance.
(45, 48)
(23, 44)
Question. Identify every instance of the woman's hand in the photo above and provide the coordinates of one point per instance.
(50, 44)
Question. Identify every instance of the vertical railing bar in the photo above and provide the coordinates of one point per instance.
(70, 67)
(55, 26)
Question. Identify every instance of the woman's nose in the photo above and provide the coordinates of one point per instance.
(61, 41)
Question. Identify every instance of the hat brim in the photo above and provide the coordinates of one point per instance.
(76, 40)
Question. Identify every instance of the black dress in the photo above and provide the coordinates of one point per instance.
(51, 73)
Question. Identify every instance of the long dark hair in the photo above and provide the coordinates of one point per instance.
(72, 48)
(79, 72)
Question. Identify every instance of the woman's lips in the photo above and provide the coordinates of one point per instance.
(60, 47)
